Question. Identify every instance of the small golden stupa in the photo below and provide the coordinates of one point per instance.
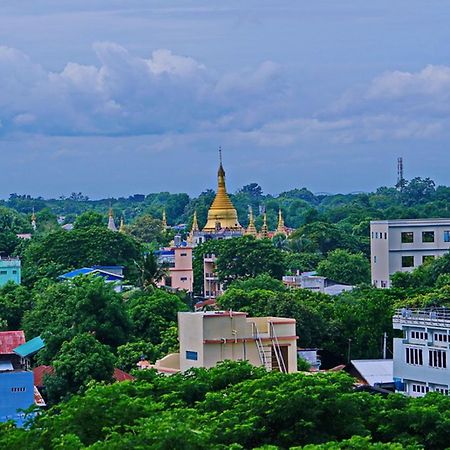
(222, 214)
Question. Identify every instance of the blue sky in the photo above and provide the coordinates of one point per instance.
(115, 97)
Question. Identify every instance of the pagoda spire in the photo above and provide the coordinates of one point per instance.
(194, 227)
(280, 227)
(122, 227)
(33, 220)
(251, 229)
(111, 223)
(264, 229)
(222, 214)
(164, 219)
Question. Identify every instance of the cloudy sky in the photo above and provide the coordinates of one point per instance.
(114, 97)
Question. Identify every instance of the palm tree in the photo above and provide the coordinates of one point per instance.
(150, 271)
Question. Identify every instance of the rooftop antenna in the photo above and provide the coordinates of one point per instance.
(400, 178)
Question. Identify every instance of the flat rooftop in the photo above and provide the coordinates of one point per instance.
(412, 222)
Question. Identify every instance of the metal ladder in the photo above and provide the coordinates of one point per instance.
(266, 360)
(276, 349)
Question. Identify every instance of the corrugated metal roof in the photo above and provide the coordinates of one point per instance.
(30, 347)
(375, 370)
(39, 372)
(9, 340)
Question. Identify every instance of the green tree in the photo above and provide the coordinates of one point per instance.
(247, 257)
(64, 310)
(62, 251)
(147, 229)
(89, 219)
(79, 361)
(150, 271)
(345, 267)
(15, 300)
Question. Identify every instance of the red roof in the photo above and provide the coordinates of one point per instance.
(39, 372)
(120, 375)
(9, 340)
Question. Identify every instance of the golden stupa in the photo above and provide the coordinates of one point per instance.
(222, 214)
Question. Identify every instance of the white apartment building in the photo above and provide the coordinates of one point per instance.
(421, 355)
(209, 337)
(402, 245)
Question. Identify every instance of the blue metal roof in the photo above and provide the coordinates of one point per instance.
(30, 348)
(92, 270)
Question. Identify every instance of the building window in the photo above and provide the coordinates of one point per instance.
(440, 337)
(407, 237)
(437, 358)
(407, 261)
(375, 259)
(441, 390)
(191, 355)
(427, 258)
(168, 281)
(18, 389)
(3, 272)
(414, 356)
(183, 254)
(427, 236)
(446, 236)
(385, 235)
(420, 388)
(14, 272)
(421, 335)
(372, 234)
(183, 278)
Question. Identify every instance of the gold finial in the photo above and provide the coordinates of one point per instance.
(281, 228)
(251, 229)
(194, 223)
(122, 227)
(164, 218)
(264, 229)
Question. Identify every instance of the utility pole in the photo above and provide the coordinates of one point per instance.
(384, 345)
(349, 350)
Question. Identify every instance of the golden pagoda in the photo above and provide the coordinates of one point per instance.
(122, 228)
(280, 227)
(251, 229)
(222, 214)
(264, 229)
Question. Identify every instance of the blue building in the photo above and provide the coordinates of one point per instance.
(9, 270)
(111, 274)
(16, 393)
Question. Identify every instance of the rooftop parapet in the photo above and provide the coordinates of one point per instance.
(437, 317)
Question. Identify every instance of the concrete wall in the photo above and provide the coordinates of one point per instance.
(16, 392)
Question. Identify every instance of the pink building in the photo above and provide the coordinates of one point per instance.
(178, 261)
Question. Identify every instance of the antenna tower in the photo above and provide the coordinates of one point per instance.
(400, 178)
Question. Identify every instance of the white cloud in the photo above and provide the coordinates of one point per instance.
(126, 94)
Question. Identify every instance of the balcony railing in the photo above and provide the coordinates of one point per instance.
(439, 316)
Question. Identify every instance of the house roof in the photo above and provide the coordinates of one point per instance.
(30, 348)
(39, 372)
(120, 375)
(38, 399)
(375, 371)
(6, 366)
(9, 340)
(91, 270)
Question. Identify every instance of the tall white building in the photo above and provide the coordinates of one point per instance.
(402, 245)
(421, 355)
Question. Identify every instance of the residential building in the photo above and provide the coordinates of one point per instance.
(421, 355)
(178, 261)
(372, 372)
(313, 282)
(10, 270)
(209, 337)
(402, 245)
(17, 390)
(111, 274)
